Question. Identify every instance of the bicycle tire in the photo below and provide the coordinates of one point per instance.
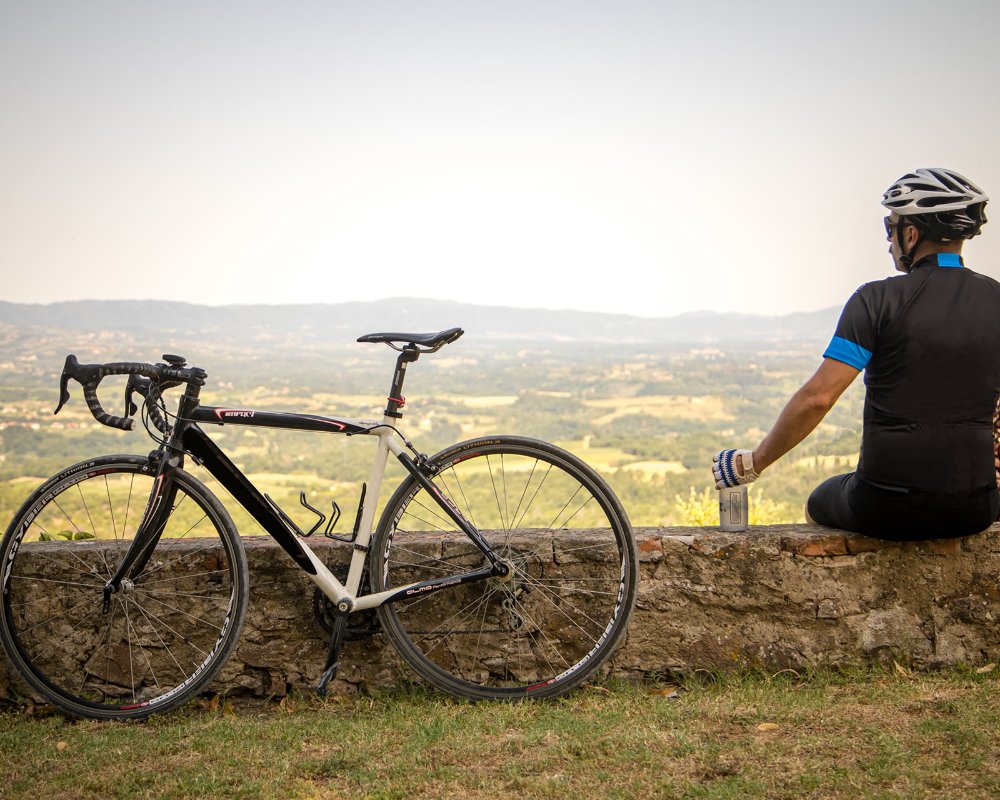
(565, 607)
(169, 630)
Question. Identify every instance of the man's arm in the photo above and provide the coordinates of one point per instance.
(804, 411)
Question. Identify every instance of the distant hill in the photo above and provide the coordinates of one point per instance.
(344, 322)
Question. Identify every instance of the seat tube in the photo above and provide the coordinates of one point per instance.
(394, 402)
(375, 480)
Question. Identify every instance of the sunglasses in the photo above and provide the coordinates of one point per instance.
(890, 226)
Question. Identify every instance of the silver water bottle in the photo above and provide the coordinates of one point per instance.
(734, 511)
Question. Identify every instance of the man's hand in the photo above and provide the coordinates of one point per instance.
(726, 468)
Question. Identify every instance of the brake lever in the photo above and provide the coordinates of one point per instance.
(130, 387)
(82, 373)
(64, 385)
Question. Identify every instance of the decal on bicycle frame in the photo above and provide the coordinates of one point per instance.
(280, 419)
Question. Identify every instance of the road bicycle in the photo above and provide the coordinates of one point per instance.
(502, 567)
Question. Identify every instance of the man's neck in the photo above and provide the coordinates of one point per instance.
(925, 249)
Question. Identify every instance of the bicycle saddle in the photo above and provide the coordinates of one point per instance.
(432, 341)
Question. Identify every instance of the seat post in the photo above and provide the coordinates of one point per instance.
(396, 400)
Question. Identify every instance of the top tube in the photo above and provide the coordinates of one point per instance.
(213, 415)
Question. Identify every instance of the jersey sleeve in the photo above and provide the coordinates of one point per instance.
(854, 340)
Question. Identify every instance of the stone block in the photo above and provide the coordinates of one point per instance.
(864, 544)
(943, 547)
(816, 546)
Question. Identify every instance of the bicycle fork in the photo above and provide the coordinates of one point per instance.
(147, 535)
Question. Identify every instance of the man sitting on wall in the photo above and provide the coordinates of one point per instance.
(929, 343)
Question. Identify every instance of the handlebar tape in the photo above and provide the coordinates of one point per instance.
(90, 376)
(102, 416)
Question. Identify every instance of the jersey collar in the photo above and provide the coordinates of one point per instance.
(940, 260)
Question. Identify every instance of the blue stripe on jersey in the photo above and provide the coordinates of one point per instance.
(854, 355)
(949, 260)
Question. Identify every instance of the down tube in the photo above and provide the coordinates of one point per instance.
(197, 443)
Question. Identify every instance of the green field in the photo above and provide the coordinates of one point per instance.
(649, 422)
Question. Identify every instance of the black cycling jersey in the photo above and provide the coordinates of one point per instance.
(929, 343)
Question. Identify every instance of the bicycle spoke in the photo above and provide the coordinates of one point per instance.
(128, 642)
(475, 555)
(57, 583)
(62, 613)
(559, 608)
(189, 595)
(56, 537)
(460, 615)
(128, 504)
(173, 578)
(166, 648)
(531, 501)
(524, 493)
(199, 620)
(111, 509)
(93, 527)
(504, 523)
(428, 521)
(105, 645)
(461, 490)
(145, 655)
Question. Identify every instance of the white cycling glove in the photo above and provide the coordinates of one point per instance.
(725, 471)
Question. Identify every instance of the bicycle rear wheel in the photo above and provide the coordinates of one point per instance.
(573, 571)
(164, 635)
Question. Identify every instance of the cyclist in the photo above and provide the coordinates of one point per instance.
(929, 343)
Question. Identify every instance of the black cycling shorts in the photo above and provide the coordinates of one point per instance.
(851, 504)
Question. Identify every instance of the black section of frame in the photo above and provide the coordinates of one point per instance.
(395, 401)
(275, 419)
(197, 443)
(147, 534)
(446, 505)
(427, 587)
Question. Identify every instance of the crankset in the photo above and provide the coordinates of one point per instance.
(360, 625)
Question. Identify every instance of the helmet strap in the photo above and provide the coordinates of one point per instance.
(905, 259)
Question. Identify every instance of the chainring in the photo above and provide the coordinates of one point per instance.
(360, 624)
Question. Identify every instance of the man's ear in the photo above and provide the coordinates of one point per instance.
(911, 236)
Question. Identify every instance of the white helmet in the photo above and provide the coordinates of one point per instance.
(948, 204)
(928, 191)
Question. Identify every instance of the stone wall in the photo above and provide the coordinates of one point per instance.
(783, 596)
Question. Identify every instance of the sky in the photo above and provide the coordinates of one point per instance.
(645, 158)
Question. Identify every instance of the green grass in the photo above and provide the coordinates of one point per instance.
(860, 735)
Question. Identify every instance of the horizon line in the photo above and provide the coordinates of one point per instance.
(405, 299)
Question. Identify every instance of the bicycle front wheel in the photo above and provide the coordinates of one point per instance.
(573, 571)
(168, 630)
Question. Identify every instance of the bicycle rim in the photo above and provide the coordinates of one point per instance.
(573, 571)
(169, 629)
